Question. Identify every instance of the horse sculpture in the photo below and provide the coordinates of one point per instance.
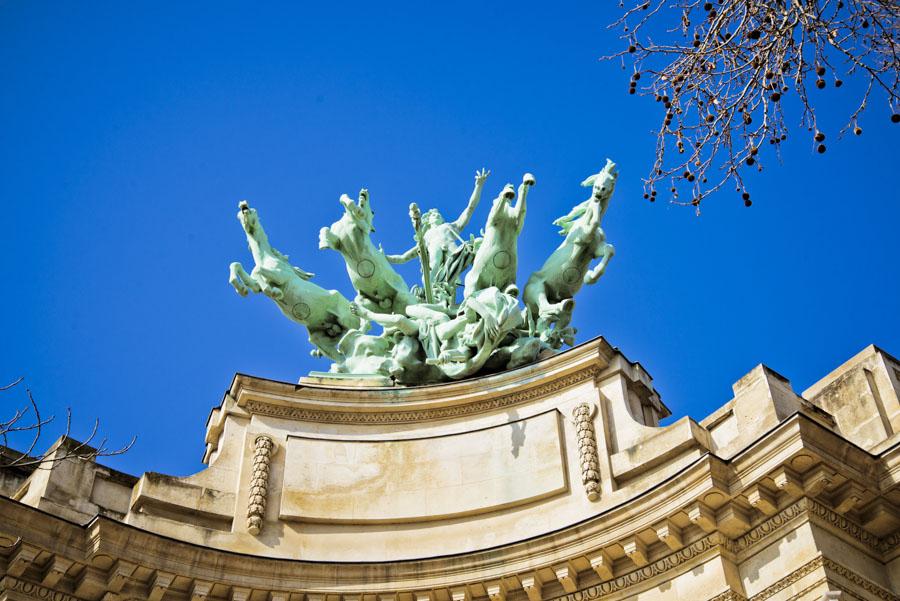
(549, 291)
(429, 337)
(379, 288)
(495, 261)
(325, 313)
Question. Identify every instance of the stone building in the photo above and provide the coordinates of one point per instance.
(552, 482)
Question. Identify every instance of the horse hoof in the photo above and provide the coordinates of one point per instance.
(238, 287)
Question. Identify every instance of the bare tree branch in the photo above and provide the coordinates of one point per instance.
(722, 68)
(34, 428)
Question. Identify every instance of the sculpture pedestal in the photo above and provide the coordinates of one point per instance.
(327, 378)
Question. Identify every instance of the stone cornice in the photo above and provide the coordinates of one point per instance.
(389, 414)
(104, 536)
(807, 568)
(857, 580)
(33, 590)
(593, 352)
(765, 529)
(157, 553)
(386, 405)
(683, 557)
(840, 523)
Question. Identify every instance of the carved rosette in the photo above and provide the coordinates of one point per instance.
(583, 416)
(264, 447)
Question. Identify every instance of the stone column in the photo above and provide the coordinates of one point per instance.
(264, 447)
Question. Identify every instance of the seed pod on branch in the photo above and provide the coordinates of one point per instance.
(724, 70)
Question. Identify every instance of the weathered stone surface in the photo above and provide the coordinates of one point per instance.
(477, 491)
(437, 477)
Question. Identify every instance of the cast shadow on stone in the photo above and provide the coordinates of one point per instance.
(517, 432)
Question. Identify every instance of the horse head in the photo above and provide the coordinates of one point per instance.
(361, 214)
(506, 196)
(248, 218)
(603, 184)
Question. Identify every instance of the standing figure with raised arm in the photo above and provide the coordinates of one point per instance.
(449, 254)
(495, 260)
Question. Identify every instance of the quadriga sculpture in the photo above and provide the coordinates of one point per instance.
(426, 336)
(550, 291)
(325, 313)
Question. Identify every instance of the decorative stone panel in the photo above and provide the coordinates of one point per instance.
(408, 480)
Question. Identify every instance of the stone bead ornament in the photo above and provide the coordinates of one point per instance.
(259, 483)
(583, 416)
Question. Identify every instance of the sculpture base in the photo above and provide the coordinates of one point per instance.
(327, 378)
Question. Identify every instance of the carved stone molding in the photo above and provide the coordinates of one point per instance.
(758, 534)
(807, 568)
(828, 596)
(856, 579)
(583, 415)
(729, 596)
(35, 591)
(387, 417)
(822, 514)
(769, 526)
(841, 522)
(890, 542)
(651, 570)
(264, 446)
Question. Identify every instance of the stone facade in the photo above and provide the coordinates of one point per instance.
(553, 482)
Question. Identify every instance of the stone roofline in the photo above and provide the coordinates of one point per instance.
(551, 481)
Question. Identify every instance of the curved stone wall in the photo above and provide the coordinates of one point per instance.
(554, 481)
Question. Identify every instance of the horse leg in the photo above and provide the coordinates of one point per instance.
(327, 239)
(604, 252)
(272, 291)
(546, 309)
(565, 314)
(241, 280)
(271, 282)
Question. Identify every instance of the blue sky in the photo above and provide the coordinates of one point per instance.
(130, 131)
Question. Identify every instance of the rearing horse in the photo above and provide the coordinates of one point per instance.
(325, 313)
(549, 292)
(379, 288)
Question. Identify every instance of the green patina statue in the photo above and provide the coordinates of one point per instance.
(326, 314)
(495, 262)
(427, 336)
(550, 291)
(377, 284)
(449, 255)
